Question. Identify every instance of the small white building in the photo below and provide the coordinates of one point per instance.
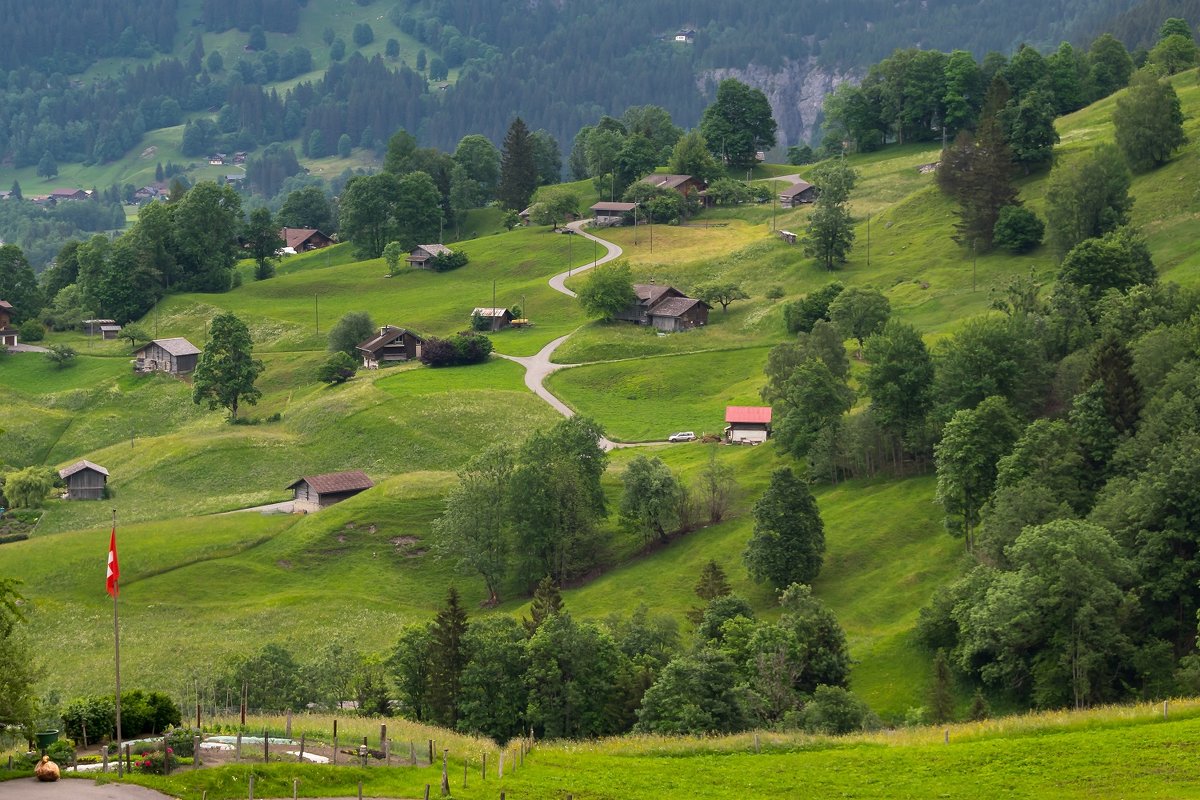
(747, 424)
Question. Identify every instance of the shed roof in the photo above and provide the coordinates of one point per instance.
(799, 187)
(110, 327)
(433, 249)
(751, 414)
(79, 466)
(676, 306)
(650, 293)
(177, 346)
(387, 335)
(488, 313)
(664, 181)
(294, 237)
(5, 304)
(606, 206)
(335, 482)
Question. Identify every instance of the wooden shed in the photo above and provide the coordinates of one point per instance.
(497, 317)
(747, 424)
(85, 480)
(314, 492)
(423, 252)
(797, 194)
(392, 344)
(607, 214)
(176, 356)
(679, 314)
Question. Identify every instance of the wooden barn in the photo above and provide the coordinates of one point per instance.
(176, 356)
(301, 240)
(686, 185)
(423, 252)
(679, 314)
(85, 480)
(497, 317)
(314, 492)
(392, 344)
(798, 194)
(747, 424)
(8, 334)
(605, 214)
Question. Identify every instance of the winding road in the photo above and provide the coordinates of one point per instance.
(539, 366)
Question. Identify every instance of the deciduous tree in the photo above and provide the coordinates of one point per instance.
(738, 124)
(608, 291)
(226, 371)
(1148, 121)
(859, 313)
(649, 502)
(723, 292)
(348, 332)
(1087, 197)
(788, 544)
(261, 235)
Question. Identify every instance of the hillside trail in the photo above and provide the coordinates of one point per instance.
(539, 366)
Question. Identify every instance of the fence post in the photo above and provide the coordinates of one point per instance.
(266, 747)
(237, 752)
(295, 788)
(288, 725)
(431, 752)
(197, 716)
(501, 767)
(103, 758)
(360, 790)
(362, 755)
(166, 756)
(195, 752)
(301, 758)
(251, 786)
(412, 752)
(484, 770)
(946, 736)
(83, 724)
(427, 791)
(1165, 709)
(445, 774)
(383, 735)
(387, 751)
(335, 741)
(756, 743)
(128, 760)
(464, 774)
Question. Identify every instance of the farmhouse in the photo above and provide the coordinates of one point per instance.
(176, 356)
(679, 314)
(606, 215)
(314, 492)
(85, 480)
(747, 424)
(497, 317)
(60, 195)
(8, 334)
(300, 240)
(686, 185)
(392, 344)
(423, 252)
(797, 194)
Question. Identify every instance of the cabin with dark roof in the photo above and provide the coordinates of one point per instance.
(686, 185)
(175, 356)
(747, 424)
(646, 295)
(301, 240)
(607, 215)
(798, 193)
(497, 317)
(679, 314)
(314, 492)
(85, 480)
(392, 344)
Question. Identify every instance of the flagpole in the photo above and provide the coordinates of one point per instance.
(117, 648)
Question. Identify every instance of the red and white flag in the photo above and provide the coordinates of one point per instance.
(114, 571)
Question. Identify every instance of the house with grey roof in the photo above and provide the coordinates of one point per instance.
(176, 356)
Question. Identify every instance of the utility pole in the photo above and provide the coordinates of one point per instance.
(973, 265)
(316, 314)
(868, 240)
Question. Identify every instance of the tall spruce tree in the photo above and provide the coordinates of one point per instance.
(518, 169)
(976, 172)
(547, 601)
(447, 658)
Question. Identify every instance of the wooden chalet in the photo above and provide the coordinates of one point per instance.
(423, 252)
(392, 344)
(314, 492)
(60, 195)
(8, 334)
(497, 317)
(301, 240)
(85, 480)
(679, 314)
(606, 215)
(797, 194)
(175, 356)
(686, 185)
(747, 424)
(647, 295)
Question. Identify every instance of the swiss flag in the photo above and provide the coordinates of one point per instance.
(114, 571)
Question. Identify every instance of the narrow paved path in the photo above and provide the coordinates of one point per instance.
(284, 507)
(26, 348)
(73, 789)
(539, 366)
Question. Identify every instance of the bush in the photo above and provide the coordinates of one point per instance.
(444, 262)
(32, 331)
(775, 292)
(466, 347)
(836, 711)
(60, 355)
(339, 368)
(13, 537)
(1018, 229)
(141, 713)
(61, 752)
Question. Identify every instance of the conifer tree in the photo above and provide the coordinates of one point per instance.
(713, 582)
(546, 603)
(447, 658)
(941, 697)
(518, 170)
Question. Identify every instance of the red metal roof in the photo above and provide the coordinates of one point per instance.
(752, 414)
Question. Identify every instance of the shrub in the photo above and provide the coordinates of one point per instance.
(13, 537)
(480, 323)
(775, 292)
(141, 713)
(835, 710)
(466, 347)
(32, 331)
(60, 355)
(444, 262)
(338, 368)
(438, 352)
(1018, 229)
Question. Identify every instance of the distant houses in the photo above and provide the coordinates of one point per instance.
(497, 318)
(301, 240)
(666, 308)
(685, 36)
(607, 215)
(175, 356)
(92, 327)
(314, 492)
(392, 344)
(747, 424)
(60, 195)
(420, 255)
(85, 480)
(8, 334)
(686, 185)
(798, 193)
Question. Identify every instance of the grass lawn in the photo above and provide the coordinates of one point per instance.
(648, 399)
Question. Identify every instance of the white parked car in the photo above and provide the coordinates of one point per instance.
(682, 436)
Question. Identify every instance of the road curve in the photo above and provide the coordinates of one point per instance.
(539, 366)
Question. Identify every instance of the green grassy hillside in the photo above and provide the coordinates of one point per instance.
(361, 569)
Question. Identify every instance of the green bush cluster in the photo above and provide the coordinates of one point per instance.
(141, 713)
